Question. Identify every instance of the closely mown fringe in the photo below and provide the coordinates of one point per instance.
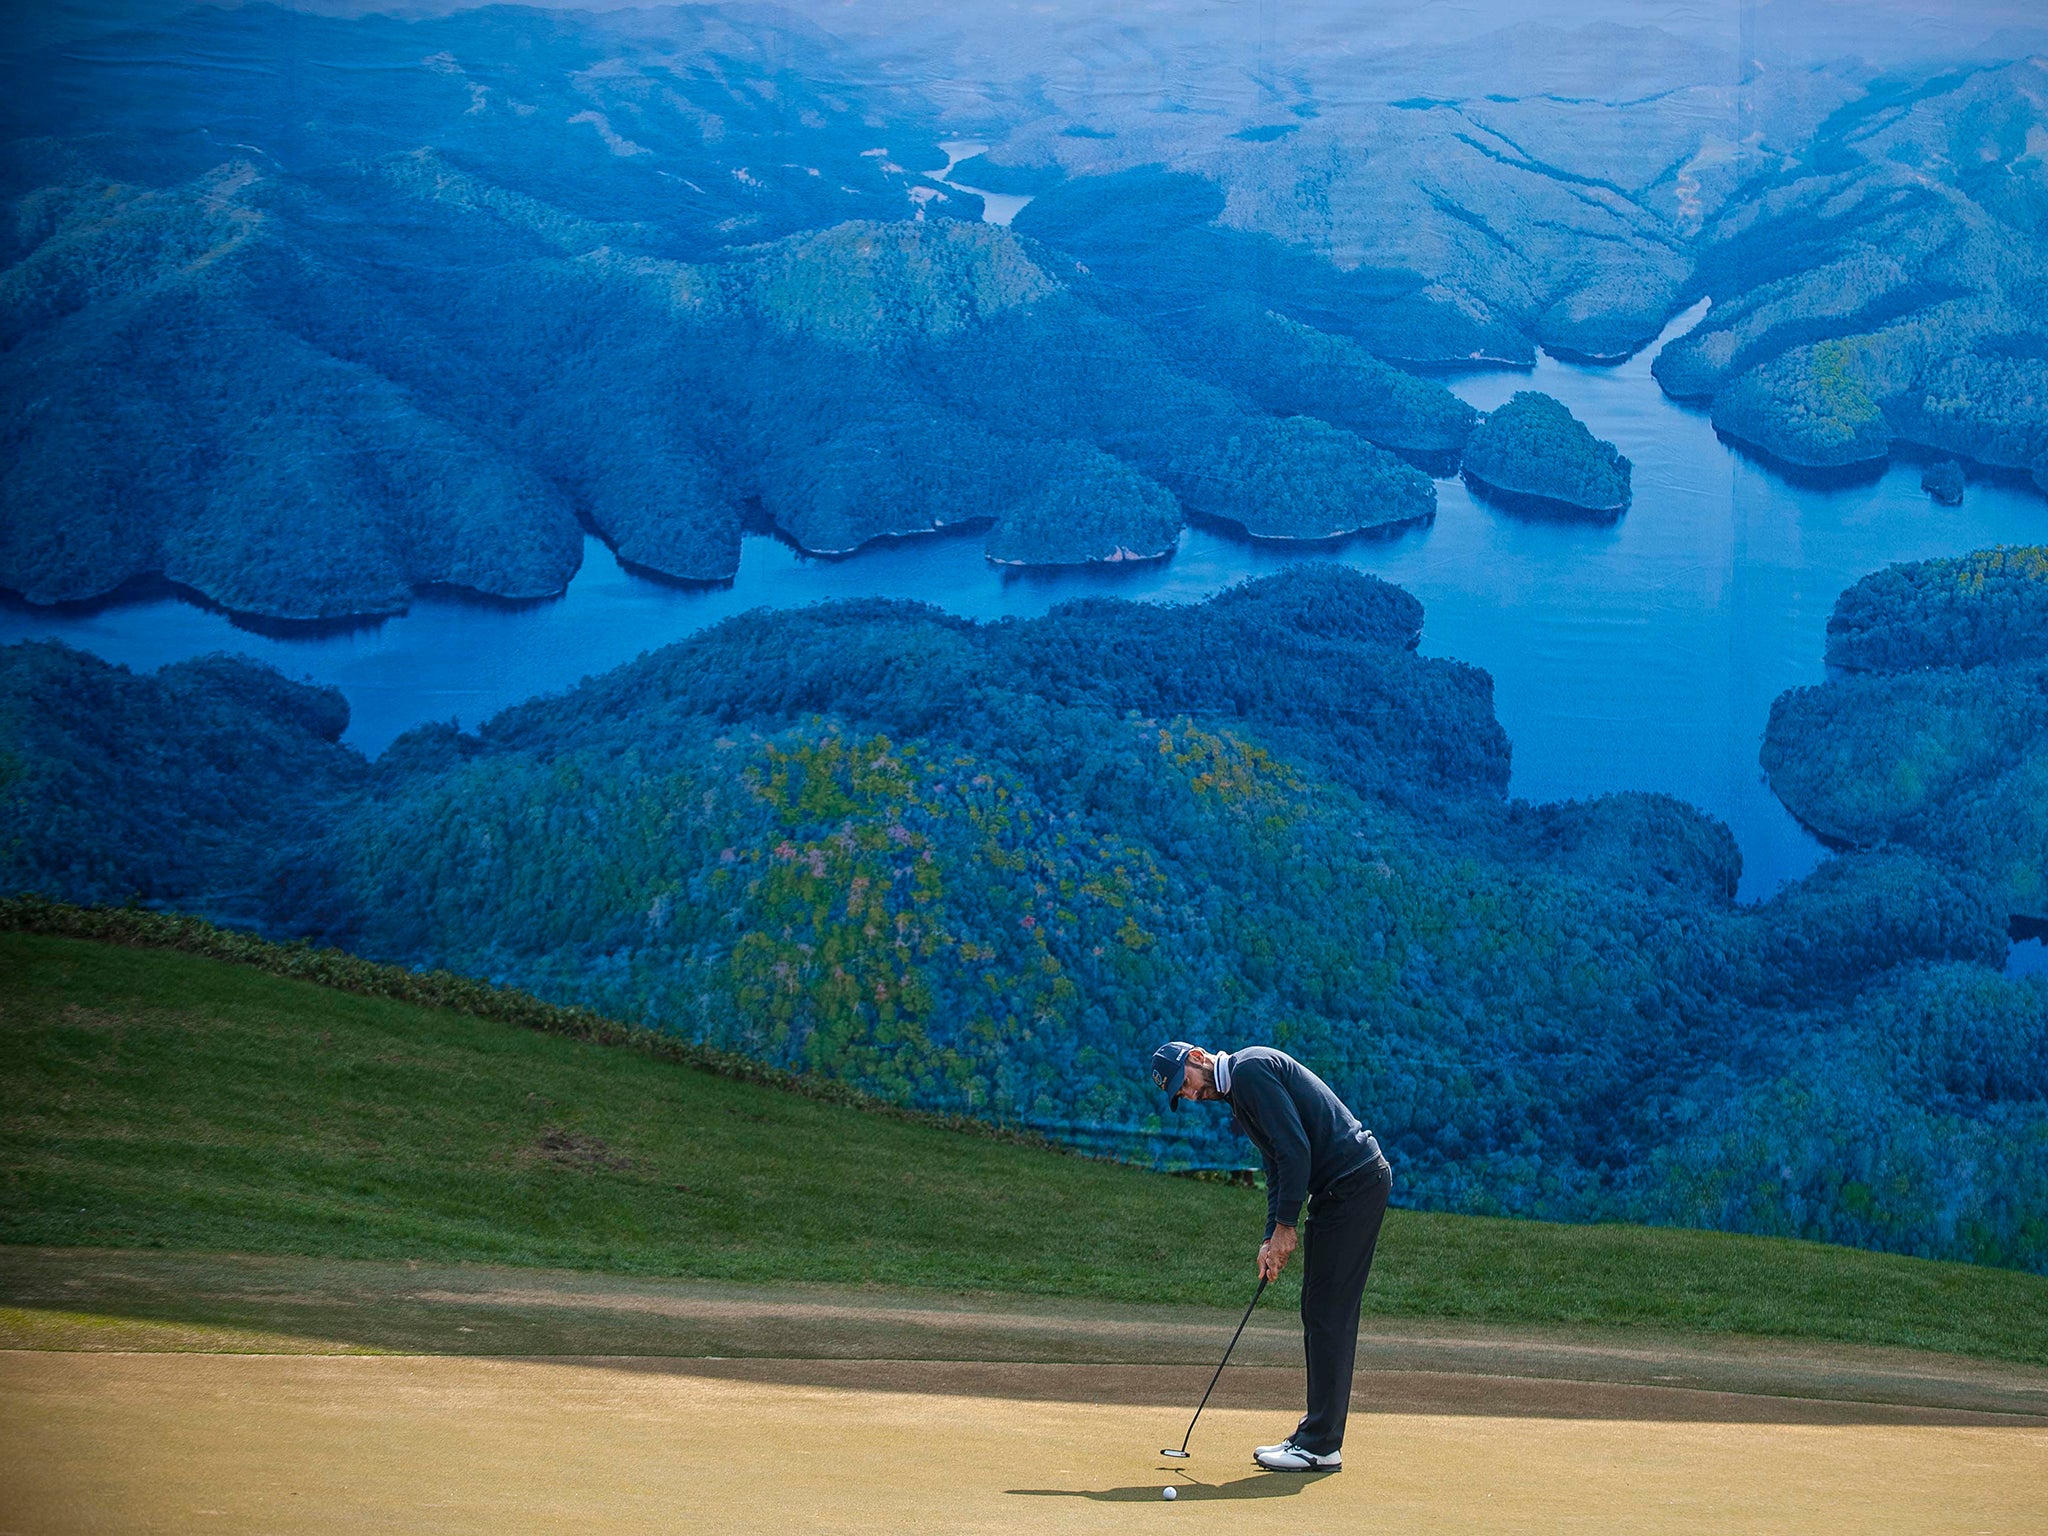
(139, 928)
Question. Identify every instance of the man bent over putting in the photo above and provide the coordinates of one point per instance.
(1314, 1149)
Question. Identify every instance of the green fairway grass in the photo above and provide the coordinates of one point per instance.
(160, 1100)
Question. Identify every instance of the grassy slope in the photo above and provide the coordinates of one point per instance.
(160, 1100)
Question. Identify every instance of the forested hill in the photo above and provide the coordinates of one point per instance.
(453, 289)
(1534, 447)
(1938, 741)
(504, 273)
(868, 379)
(1883, 283)
(1983, 609)
(984, 868)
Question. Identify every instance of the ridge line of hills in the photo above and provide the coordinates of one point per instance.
(502, 276)
(981, 869)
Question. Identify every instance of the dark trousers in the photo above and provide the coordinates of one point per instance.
(1336, 1249)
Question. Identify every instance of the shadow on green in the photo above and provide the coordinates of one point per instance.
(1262, 1485)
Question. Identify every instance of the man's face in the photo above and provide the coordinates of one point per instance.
(1200, 1081)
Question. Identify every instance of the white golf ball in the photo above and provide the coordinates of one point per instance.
(1169, 1493)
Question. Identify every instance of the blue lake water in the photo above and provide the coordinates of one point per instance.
(1638, 654)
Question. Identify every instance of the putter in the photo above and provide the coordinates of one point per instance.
(1182, 1453)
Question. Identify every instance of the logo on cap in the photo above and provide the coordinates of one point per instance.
(1170, 1070)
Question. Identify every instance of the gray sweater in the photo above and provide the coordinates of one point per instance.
(1306, 1137)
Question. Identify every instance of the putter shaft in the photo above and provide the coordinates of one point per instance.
(1182, 1453)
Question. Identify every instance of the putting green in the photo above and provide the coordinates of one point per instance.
(265, 1443)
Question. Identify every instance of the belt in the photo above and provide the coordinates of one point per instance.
(1379, 1168)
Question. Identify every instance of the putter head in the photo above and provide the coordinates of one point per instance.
(1177, 1455)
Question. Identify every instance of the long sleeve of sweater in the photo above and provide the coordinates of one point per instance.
(1263, 1100)
(1272, 1186)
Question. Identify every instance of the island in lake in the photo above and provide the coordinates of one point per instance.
(1532, 448)
(1936, 736)
(1944, 481)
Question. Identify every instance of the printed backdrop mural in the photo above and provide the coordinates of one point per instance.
(1500, 550)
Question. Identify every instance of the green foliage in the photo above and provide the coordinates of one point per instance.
(1861, 755)
(1310, 603)
(981, 869)
(1617, 303)
(1534, 446)
(1299, 478)
(1941, 743)
(170, 785)
(909, 470)
(439, 372)
(1947, 1061)
(1016, 180)
(1091, 508)
(1861, 913)
(1975, 610)
(1942, 740)
(1832, 298)
(1957, 1032)
(187, 434)
(1150, 234)
(1886, 287)
(158, 1101)
(888, 285)
(1953, 763)
(1293, 369)
(1944, 481)
(1807, 408)
(1097, 217)
(336, 969)
(1645, 840)
(655, 285)
(1990, 405)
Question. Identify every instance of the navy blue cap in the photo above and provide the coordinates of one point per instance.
(1170, 1070)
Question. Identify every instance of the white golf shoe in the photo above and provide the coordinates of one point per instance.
(1289, 1457)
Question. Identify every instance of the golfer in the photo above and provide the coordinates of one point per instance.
(1314, 1149)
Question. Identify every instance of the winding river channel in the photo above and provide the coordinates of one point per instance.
(1642, 653)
